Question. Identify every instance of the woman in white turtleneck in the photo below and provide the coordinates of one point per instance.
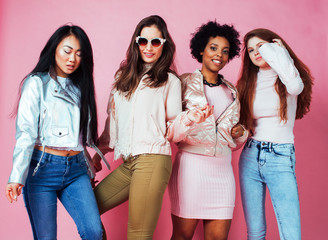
(275, 89)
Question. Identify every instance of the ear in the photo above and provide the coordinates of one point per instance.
(201, 53)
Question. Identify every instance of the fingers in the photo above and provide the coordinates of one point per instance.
(13, 190)
(96, 162)
(278, 42)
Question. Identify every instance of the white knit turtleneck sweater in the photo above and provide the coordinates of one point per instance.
(268, 126)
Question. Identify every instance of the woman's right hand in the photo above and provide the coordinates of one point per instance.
(199, 115)
(13, 190)
(96, 162)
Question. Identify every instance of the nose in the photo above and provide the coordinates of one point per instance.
(149, 46)
(72, 57)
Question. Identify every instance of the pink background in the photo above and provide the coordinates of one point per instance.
(25, 26)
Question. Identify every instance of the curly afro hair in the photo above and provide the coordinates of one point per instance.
(212, 29)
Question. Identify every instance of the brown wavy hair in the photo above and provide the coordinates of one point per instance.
(246, 83)
(132, 68)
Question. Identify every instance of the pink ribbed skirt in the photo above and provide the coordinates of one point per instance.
(202, 187)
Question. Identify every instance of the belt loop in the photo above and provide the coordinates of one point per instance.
(270, 146)
(249, 142)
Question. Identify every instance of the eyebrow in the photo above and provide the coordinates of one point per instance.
(256, 44)
(218, 45)
(71, 47)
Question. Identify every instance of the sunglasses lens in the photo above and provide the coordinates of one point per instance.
(142, 42)
(156, 42)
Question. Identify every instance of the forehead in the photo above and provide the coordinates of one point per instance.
(218, 40)
(151, 32)
(70, 41)
(252, 42)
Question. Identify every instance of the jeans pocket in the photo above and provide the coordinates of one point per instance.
(282, 151)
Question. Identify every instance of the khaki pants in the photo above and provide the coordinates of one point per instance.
(143, 182)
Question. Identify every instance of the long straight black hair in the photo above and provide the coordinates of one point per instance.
(82, 77)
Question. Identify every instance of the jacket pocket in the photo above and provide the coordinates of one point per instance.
(59, 131)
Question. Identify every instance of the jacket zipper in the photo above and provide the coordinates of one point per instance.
(41, 132)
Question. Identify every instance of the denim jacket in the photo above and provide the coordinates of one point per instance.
(47, 113)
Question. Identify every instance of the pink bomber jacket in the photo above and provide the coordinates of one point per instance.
(202, 138)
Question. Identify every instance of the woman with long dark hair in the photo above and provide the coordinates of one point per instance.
(275, 88)
(144, 107)
(56, 119)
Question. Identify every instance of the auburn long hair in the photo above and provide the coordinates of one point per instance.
(246, 84)
(132, 68)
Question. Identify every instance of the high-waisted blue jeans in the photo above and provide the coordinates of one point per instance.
(273, 165)
(64, 178)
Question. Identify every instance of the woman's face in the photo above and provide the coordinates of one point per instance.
(216, 54)
(149, 53)
(253, 46)
(67, 56)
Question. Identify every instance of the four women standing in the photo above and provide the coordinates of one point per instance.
(144, 115)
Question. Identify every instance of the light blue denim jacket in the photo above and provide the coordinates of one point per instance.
(46, 113)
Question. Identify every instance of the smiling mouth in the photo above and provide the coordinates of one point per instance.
(149, 55)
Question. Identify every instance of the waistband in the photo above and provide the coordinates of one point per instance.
(64, 153)
(263, 144)
(38, 154)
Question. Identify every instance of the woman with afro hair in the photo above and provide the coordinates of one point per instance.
(202, 185)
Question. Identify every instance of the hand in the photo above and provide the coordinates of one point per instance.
(96, 162)
(93, 182)
(199, 115)
(13, 190)
(237, 131)
(278, 42)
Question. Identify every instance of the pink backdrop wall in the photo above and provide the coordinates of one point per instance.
(25, 26)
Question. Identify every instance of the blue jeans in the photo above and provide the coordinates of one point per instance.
(273, 165)
(64, 178)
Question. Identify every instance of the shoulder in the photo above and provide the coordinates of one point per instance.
(229, 84)
(173, 79)
(33, 80)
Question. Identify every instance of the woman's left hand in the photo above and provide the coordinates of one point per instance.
(199, 115)
(237, 131)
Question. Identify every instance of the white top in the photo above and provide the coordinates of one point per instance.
(219, 96)
(268, 126)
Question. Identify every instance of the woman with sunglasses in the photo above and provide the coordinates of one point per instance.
(143, 110)
(56, 120)
(202, 185)
(275, 89)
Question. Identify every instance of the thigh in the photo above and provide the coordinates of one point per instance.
(183, 228)
(41, 205)
(113, 189)
(253, 192)
(151, 174)
(216, 229)
(79, 200)
(283, 189)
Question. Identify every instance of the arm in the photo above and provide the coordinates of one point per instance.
(179, 127)
(27, 122)
(279, 60)
(239, 135)
(104, 139)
